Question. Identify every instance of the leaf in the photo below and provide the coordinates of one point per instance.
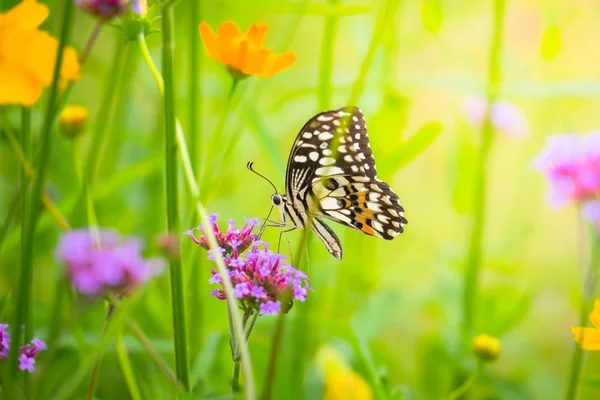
(417, 144)
(206, 358)
(464, 154)
(432, 15)
(551, 43)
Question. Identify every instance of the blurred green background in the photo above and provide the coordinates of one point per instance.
(401, 297)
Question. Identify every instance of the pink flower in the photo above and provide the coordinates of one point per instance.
(505, 116)
(571, 166)
(106, 262)
(27, 353)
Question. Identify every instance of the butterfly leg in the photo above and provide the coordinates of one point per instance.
(281, 234)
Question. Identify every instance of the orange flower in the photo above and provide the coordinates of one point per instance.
(243, 53)
(589, 338)
(27, 55)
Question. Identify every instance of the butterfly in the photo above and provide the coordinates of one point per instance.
(331, 174)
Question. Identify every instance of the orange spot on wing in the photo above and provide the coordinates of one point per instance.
(368, 230)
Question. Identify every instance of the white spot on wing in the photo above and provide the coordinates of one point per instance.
(325, 171)
(300, 159)
(327, 152)
(313, 155)
(307, 135)
(325, 136)
(327, 161)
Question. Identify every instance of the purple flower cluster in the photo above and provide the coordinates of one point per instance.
(102, 261)
(260, 279)
(232, 241)
(571, 165)
(505, 116)
(27, 353)
(103, 9)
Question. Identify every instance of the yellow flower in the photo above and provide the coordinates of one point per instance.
(340, 381)
(243, 53)
(589, 338)
(27, 55)
(73, 120)
(487, 347)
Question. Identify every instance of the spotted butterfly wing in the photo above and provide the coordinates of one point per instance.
(331, 173)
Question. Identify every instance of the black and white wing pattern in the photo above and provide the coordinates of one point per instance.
(331, 173)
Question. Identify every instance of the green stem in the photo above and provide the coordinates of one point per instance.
(326, 64)
(153, 352)
(23, 303)
(249, 324)
(194, 189)
(134, 391)
(177, 288)
(89, 44)
(96, 370)
(12, 211)
(275, 346)
(587, 293)
(25, 205)
(473, 264)
(467, 384)
(195, 103)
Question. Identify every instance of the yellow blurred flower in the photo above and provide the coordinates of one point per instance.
(340, 381)
(487, 347)
(27, 55)
(73, 120)
(243, 53)
(589, 338)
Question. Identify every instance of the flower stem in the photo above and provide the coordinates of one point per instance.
(23, 296)
(248, 328)
(467, 384)
(326, 64)
(152, 352)
(590, 280)
(473, 264)
(96, 370)
(25, 202)
(275, 345)
(236, 319)
(87, 47)
(177, 288)
(195, 103)
(26, 165)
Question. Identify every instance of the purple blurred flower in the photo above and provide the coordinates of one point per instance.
(104, 10)
(106, 262)
(571, 165)
(260, 279)
(27, 353)
(505, 116)
(4, 340)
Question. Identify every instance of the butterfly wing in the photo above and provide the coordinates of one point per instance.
(331, 164)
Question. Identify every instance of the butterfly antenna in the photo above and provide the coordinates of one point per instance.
(249, 165)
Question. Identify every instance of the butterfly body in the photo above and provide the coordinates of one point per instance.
(331, 174)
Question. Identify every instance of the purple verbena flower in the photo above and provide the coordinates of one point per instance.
(27, 353)
(100, 262)
(4, 340)
(571, 166)
(26, 363)
(233, 241)
(270, 307)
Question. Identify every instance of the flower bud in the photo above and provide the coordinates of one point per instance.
(105, 10)
(168, 244)
(487, 347)
(139, 7)
(73, 121)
